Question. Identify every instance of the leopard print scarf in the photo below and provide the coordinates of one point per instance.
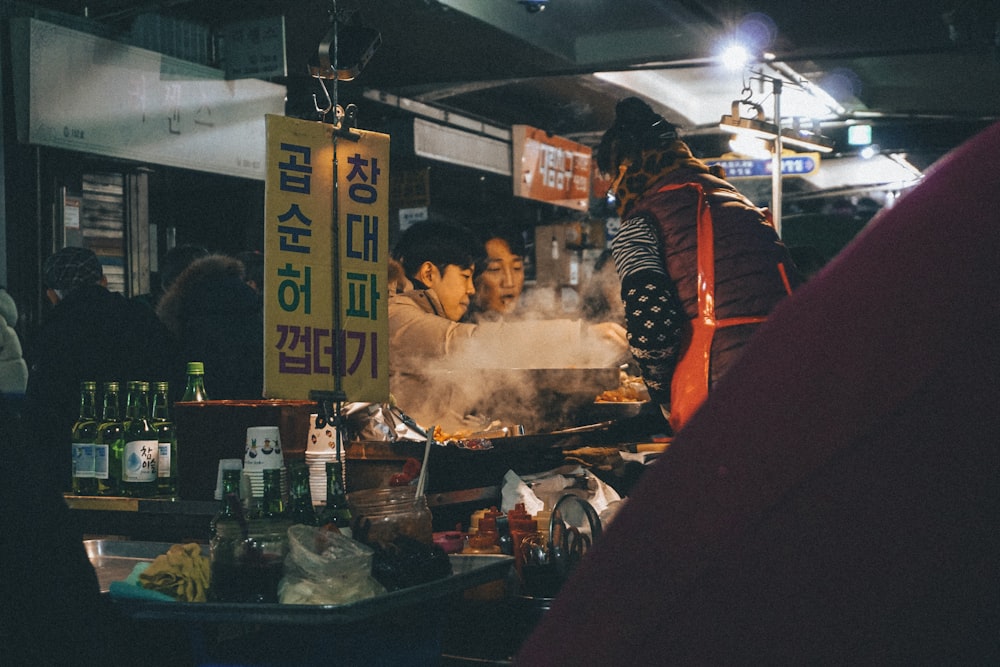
(656, 163)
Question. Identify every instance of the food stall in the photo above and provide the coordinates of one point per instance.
(320, 352)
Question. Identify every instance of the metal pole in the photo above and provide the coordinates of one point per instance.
(776, 160)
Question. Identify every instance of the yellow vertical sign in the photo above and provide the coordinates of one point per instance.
(307, 252)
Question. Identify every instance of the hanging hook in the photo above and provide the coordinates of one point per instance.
(323, 111)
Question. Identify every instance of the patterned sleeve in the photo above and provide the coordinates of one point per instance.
(654, 317)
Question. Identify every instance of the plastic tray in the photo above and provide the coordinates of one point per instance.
(114, 560)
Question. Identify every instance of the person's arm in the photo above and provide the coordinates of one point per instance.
(654, 316)
(414, 331)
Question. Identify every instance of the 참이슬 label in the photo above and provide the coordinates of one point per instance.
(139, 461)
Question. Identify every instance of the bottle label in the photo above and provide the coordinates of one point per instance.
(163, 460)
(139, 461)
(83, 460)
(101, 461)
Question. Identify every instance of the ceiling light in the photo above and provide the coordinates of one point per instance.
(859, 135)
(735, 57)
(761, 129)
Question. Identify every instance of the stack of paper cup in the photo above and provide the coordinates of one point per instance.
(263, 452)
(321, 447)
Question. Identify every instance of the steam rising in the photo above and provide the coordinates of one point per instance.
(538, 373)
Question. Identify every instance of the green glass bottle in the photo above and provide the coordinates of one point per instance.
(274, 504)
(84, 436)
(166, 462)
(336, 514)
(300, 504)
(195, 388)
(227, 534)
(141, 446)
(109, 443)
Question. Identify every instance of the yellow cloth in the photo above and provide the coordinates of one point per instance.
(181, 573)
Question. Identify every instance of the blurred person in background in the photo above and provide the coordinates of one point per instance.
(836, 500)
(253, 266)
(174, 262)
(13, 369)
(53, 613)
(398, 282)
(91, 333)
(697, 281)
(217, 319)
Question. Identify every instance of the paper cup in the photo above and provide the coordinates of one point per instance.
(263, 449)
(321, 440)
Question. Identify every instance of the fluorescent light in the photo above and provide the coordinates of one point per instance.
(769, 131)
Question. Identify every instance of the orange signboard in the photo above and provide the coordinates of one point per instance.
(551, 169)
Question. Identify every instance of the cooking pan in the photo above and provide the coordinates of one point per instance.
(541, 399)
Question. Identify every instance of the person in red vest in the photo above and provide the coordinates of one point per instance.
(836, 499)
(701, 267)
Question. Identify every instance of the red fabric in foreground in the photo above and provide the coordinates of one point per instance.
(836, 499)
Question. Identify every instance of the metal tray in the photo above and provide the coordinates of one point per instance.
(114, 560)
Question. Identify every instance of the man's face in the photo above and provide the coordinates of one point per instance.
(502, 281)
(454, 289)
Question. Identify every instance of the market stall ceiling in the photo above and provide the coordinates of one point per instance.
(927, 71)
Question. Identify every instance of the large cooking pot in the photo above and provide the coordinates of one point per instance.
(541, 399)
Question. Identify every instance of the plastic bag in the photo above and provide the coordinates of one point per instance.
(325, 567)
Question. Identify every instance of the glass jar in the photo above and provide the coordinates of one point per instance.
(379, 516)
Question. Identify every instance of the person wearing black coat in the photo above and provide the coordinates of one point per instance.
(90, 334)
(217, 319)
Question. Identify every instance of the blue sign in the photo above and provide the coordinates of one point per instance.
(801, 164)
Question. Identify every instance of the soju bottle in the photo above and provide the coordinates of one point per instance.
(336, 514)
(84, 436)
(195, 389)
(300, 504)
(166, 463)
(109, 443)
(141, 447)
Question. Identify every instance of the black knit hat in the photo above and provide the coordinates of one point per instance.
(636, 128)
(72, 267)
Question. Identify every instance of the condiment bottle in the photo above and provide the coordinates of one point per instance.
(488, 529)
(483, 543)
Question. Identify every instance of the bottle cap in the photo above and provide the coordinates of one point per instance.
(195, 368)
(488, 524)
